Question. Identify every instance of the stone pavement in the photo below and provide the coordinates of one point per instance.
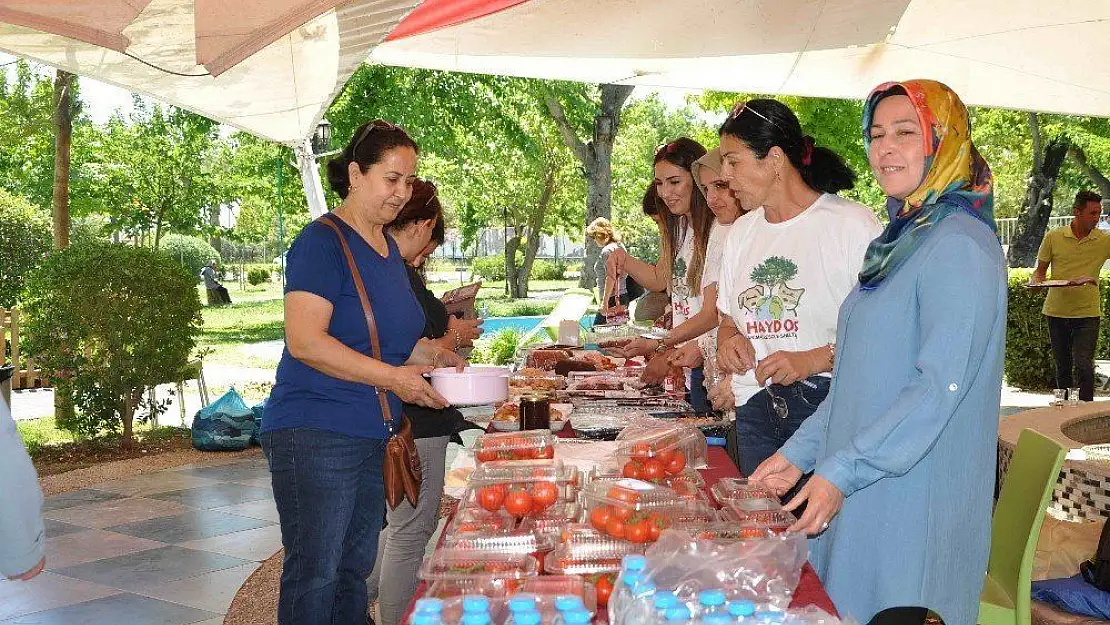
(171, 548)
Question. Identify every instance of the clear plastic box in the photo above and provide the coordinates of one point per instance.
(469, 522)
(584, 550)
(638, 511)
(551, 522)
(614, 473)
(447, 563)
(519, 540)
(673, 445)
(547, 588)
(526, 445)
(450, 588)
(739, 489)
(761, 521)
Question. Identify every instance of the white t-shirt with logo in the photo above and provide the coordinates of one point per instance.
(714, 253)
(782, 283)
(684, 302)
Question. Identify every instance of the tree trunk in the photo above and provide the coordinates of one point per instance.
(1101, 181)
(596, 160)
(129, 405)
(512, 272)
(64, 110)
(1037, 207)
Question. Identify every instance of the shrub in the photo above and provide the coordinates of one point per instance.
(259, 275)
(520, 307)
(25, 238)
(489, 268)
(1029, 363)
(193, 253)
(107, 322)
(548, 270)
(498, 349)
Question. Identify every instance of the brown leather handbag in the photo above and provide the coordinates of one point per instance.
(401, 466)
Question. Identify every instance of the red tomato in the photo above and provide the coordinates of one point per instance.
(491, 497)
(518, 503)
(615, 527)
(633, 470)
(637, 532)
(487, 455)
(604, 589)
(546, 453)
(664, 455)
(677, 462)
(621, 512)
(641, 451)
(654, 531)
(624, 494)
(544, 494)
(654, 470)
(599, 517)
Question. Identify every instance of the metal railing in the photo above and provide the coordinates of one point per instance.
(1007, 226)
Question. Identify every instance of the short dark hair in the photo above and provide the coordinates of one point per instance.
(368, 145)
(1084, 197)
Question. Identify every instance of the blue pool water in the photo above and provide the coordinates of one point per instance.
(493, 325)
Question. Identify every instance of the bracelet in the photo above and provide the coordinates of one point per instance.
(435, 359)
(458, 339)
(662, 346)
(832, 355)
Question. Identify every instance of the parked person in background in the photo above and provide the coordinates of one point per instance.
(217, 293)
(681, 265)
(323, 430)
(787, 267)
(418, 230)
(903, 450)
(608, 239)
(22, 533)
(1076, 253)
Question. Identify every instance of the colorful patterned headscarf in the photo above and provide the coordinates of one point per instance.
(956, 179)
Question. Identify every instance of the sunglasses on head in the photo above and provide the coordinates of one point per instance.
(377, 124)
(666, 149)
(742, 106)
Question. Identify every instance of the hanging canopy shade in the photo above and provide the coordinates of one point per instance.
(1022, 54)
(269, 67)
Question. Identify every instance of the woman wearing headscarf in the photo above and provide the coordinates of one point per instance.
(903, 449)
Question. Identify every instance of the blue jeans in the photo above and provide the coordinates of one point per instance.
(331, 502)
(761, 428)
(699, 397)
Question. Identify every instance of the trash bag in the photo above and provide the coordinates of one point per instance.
(257, 410)
(226, 424)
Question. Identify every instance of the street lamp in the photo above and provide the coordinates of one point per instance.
(321, 139)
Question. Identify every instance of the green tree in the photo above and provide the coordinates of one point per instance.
(24, 242)
(773, 271)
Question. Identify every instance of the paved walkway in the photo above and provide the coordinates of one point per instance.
(170, 548)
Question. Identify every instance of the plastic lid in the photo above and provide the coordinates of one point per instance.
(716, 617)
(634, 562)
(577, 617)
(664, 600)
(644, 587)
(527, 617)
(631, 578)
(522, 602)
(741, 607)
(711, 598)
(426, 619)
(564, 603)
(678, 613)
(475, 618)
(428, 606)
(475, 603)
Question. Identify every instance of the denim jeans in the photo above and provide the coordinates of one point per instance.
(1073, 345)
(402, 543)
(699, 397)
(761, 429)
(331, 502)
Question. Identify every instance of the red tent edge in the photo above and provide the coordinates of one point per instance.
(435, 14)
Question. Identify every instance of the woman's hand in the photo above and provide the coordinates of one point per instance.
(825, 501)
(409, 384)
(777, 473)
(639, 346)
(448, 358)
(721, 396)
(466, 329)
(688, 356)
(736, 354)
(657, 369)
(786, 368)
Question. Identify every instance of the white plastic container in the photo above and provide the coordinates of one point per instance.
(476, 385)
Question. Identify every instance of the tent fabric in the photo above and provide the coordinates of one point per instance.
(99, 22)
(434, 14)
(1020, 54)
(278, 92)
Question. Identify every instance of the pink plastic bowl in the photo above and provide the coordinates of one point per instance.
(475, 386)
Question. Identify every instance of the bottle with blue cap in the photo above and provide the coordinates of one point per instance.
(427, 618)
(428, 605)
(716, 618)
(566, 603)
(626, 587)
(663, 601)
(741, 609)
(475, 604)
(524, 617)
(677, 615)
(522, 602)
(768, 617)
(576, 616)
(476, 618)
(710, 602)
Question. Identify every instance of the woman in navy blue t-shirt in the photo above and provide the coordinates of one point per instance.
(323, 430)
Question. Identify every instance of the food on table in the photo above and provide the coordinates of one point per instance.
(564, 367)
(507, 411)
(449, 563)
(549, 383)
(615, 343)
(675, 446)
(601, 361)
(545, 359)
(526, 445)
(639, 511)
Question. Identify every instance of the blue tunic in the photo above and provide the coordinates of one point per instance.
(305, 397)
(909, 430)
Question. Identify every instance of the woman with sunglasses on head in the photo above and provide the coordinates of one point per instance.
(680, 268)
(787, 266)
(418, 230)
(903, 450)
(324, 430)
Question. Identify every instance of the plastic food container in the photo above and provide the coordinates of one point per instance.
(516, 541)
(457, 564)
(548, 588)
(584, 550)
(639, 511)
(526, 445)
(551, 522)
(474, 386)
(451, 588)
(456, 595)
(758, 522)
(660, 448)
(739, 490)
(612, 474)
(472, 522)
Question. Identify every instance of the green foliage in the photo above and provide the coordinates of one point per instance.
(107, 322)
(498, 349)
(192, 253)
(548, 270)
(774, 270)
(25, 238)
(258, 275)
(519, 307)
(488, 267)
(1029, 363)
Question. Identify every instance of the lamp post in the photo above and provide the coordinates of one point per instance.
(321, 139)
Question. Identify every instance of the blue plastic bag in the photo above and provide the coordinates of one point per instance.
(257, 409)
(226, 424)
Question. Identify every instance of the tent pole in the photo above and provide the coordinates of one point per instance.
(310, 177)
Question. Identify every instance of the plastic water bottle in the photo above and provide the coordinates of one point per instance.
(575, 617)
(678, 614)
(628, 582)
(716, 618)
(476, 618)
(475, 604)
(663, 601)
(525, 617)
(567, 603)
(428, 606)
(710, 602)
(741, 609)
(427, 618)
(767, 617)
(521, 603)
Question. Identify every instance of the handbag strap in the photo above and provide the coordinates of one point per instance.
(371, 324)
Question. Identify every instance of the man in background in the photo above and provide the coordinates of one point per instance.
(1076, 253)
(217, 293)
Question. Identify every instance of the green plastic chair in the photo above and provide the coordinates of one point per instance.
(572, 305)
(1016, 528)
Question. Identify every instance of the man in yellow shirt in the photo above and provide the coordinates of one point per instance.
(1076, 253)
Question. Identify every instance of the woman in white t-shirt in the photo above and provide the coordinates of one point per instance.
(681, 262)
(787, 267)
